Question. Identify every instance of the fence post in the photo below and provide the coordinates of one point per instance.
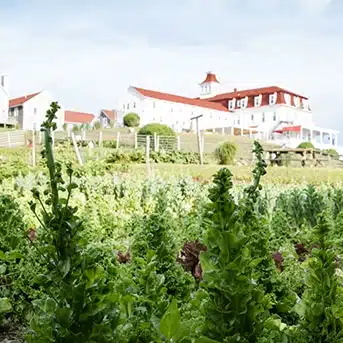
(76, 149)
(9, 139)
(100, 139)
(33, 148)
(118, 139)
(147, 151)
(155, 141)
(136, 140)
(158, 143)
(178, 142)
(83, 134)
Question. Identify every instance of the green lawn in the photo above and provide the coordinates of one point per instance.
(279, 175)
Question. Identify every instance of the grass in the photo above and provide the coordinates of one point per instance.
(275, 175)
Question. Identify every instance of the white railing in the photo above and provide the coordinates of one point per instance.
(11, 139)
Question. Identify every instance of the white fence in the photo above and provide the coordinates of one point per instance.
(11, 139)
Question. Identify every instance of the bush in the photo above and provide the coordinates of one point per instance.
(131, 120)
(332, 152)
(226, 153)
(97, 125)
(159, 129)
(306, 145)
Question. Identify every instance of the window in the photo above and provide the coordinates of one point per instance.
(123, 106)
(258, 100)
(134, 105)
(238, 122)
(35, 111)
(127, 106)
(232, 104)
(287, 99)
(305, 104)
(244, 102)
(272, 98)
(274, 116)
(154, 104)
(296, 101)
(252, 117)
(263, 117)
(239, 103)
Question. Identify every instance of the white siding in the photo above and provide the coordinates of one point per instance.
(3, 105)
(34, 111)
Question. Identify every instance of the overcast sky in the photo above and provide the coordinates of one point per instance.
(87, 53)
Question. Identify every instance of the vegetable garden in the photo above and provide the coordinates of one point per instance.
(109, 257)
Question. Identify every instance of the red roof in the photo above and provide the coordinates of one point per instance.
(78, 117)
(210, 77)
(181, 99)
(19, 101)
(289, 129)
(110, 114)
(252, 92)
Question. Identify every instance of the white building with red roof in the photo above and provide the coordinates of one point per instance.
(72, 118)
(273, 112)
(29, 111)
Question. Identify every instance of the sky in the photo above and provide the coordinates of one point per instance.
(87, 53)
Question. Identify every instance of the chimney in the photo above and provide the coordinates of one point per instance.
(4, 82)
(235, 89)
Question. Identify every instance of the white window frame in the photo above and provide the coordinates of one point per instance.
(287, 99)
(296, 101)
(305, 104)
(273, 98)
(244, 102)
(258, 100)
(232, 104)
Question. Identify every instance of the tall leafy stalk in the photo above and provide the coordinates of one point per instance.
(79, 303)
(322, 300)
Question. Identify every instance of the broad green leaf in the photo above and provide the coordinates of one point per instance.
(3, 269)
(170, 323)
(5, 305)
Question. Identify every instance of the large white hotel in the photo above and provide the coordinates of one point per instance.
(271, 113)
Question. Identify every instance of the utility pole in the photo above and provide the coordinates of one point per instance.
(200, 150)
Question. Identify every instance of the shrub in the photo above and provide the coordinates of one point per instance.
(131, 120)
(226, 153)
(65, 127)
(159, 129)
(332, 152)
(97, 125)
(306, 145)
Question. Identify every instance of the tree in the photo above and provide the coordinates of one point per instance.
(131, 120)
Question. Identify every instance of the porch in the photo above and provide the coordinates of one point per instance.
(292, 136)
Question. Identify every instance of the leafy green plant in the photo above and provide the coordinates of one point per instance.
(156, 128)
(235, 306)
(97, 125)
(226, 153)
(131, 120)
(332, 152)
(322, 300)
(79, 304)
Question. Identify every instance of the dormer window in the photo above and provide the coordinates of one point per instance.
(239, 103)
(258, 100)
(232, 104)
(305, 104)
(287, 99)
(296, 101)
(272, 98)
(244, 102)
